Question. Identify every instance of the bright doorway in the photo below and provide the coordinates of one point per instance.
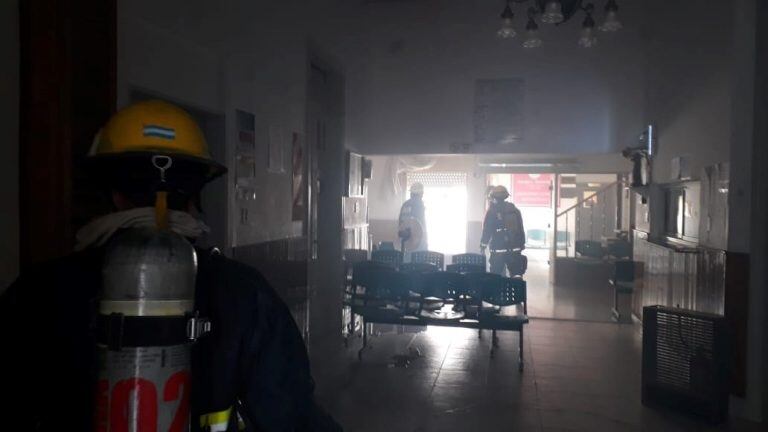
(445, 200)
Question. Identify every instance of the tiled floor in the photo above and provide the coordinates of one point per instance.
(572, 302)
(579, 376)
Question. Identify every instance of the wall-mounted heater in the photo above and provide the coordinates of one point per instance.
(685, 362)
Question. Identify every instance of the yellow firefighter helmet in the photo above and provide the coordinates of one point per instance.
(151, 128)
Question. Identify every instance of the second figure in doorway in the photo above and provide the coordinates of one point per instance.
(504, 235)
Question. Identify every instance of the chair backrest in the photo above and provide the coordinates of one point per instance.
(391, 285)
(443, 285)
(624, 271)
(465, 268)
(352, 257)
(364, 273)
(355, 255)
(379, 280)
(469, 258)
(391, 257)
(475, 283)
(506, 292)
(418, 267)
(619, 249)
(589, 248)
(429, 257)
(385, 245)
(415, 273)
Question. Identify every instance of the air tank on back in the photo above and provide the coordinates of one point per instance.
(143, 335)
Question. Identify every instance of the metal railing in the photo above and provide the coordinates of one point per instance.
(592, 217)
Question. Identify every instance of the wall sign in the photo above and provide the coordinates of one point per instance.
(532, 190)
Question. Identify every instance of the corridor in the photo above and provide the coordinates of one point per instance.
(208, 208)
(579, 376)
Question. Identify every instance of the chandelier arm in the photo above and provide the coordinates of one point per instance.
(588, 8)
(570, 8)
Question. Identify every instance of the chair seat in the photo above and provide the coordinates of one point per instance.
(503, 322)
(375, 313)
(431, 304)
(589, 260)
(442, 315)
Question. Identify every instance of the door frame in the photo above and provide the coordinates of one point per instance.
(68, 62)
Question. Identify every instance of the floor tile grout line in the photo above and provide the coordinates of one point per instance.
(440, 369)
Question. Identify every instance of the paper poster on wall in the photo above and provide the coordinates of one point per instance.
(275, 162)
(245, 158)
(498, 112)
(298, 184)
(532, 190)
(246, 135)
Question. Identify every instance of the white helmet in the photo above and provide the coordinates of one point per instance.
(417, 188)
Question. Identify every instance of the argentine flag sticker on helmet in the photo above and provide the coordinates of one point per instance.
(159, 132)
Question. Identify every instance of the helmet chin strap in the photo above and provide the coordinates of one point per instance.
(162, 163)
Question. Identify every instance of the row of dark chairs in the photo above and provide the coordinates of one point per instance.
(418, 293)
(394, 258)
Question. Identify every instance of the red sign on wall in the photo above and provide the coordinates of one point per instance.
(532, 190)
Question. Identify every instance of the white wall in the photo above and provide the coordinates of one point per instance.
(688, 82)
(228, 55)
(9, 149)
(416, 94)
(700, 92)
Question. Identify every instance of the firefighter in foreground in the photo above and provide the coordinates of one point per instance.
(504, 235)
(139, 330)
(412, 222)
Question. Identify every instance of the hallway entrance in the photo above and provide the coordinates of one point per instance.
(445, 201)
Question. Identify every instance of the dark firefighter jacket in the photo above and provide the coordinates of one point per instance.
(503, 227)
(254, 354)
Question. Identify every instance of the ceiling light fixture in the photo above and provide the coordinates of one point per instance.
(532, 38)
(507, 30)
(558, 12)
(611, 23)
(588, 38)
(553, 13)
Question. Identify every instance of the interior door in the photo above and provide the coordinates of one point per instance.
(325, 142)
(68, 57)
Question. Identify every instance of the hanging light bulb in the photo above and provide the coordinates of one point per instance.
(611, 23)
(588, 38)
(506, 31)
(553, 13)
(532, 39)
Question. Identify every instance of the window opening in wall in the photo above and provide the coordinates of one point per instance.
(682, 210)
(445, 201)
